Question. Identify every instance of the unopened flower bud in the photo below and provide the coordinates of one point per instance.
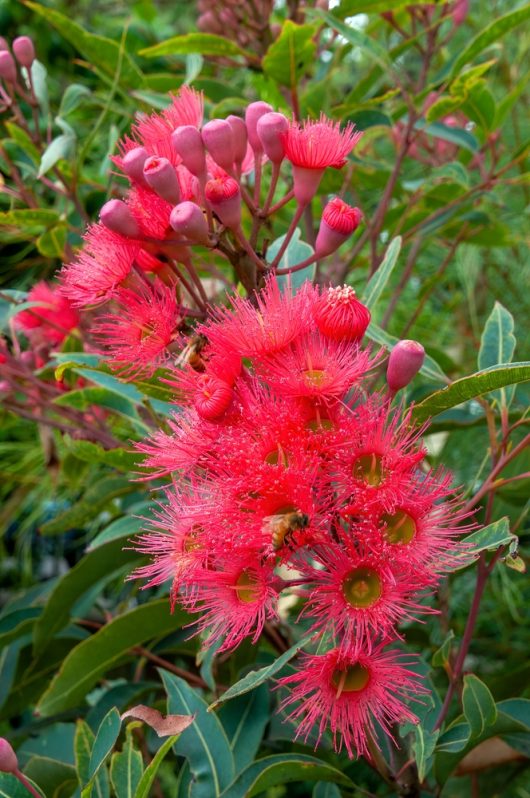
(8, 758)
(218, 140)
(253, 113)
(188, 220)
(3, 44)
(460, 11)
(213, 397)
(338, 222)
(24, 51)
(270, 128)
(405, 360)
(133, 164)
(340, 315)
(188, 143)
(115, 215)
(224, 196)
(239, 137)
(162, 178)
(8, 68)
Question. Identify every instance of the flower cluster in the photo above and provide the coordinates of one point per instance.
(289, 478)
(189, 190)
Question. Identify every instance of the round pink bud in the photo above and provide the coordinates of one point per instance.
(339, 315)
(8, 758)
(161, 176)
(133, 164)
(115, 215)
(239, 137)
(213, 397)
(24, 51)
(253, 113)
(188, 143)
(218, 140)
(3, 44)
(188, 220)
(224, 196)
(270, 128)
(339, 221)
(405, 360)
(8, 68)
(460, 11)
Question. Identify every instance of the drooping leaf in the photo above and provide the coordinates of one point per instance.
(163, 725)
(470, 387)
(255, 678)
(378, 281)
(88, 661)
(204, 744)
(479, 705)
(283, 769)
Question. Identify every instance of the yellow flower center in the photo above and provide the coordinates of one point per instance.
(351, 680)
(362, 588)
(400, 527)
(369, 468)
(247, 587)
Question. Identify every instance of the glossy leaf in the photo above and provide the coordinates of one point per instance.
(479, 706)
(291, 54)
(204, 744)
(378, 281)
(16, 624)
(122, 529)
(106, 736)
(88, 661)
(10, 787)
(143, 789)
(283, 769)
(488, 538)
(203, 43)
(497, 345)
(126, 767)
(423, 747)
(244, 720)
(255, 678)
(440, 658)
(470, 387)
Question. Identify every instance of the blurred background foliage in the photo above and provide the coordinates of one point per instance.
(458, 196)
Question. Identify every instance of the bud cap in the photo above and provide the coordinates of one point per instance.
(188, 143)
(24, 51)
(219, 141)
(188, 219)
(8, 68)
(405, 360)
(115, 215)
(252, 115)
(162, 178)
(270, 128)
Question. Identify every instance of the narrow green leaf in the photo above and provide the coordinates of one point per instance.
(470, 387)
(455, 135)
(83, 742)
(479, 705)
(423, 747)
(348, 8)
(203, 43)
(377, 283)
(72, 98)
(126, 767)
(440, 658)
(106, 736)
(358, 39)
(292, 53)
(283, 769)
(24, 141)
(104, 53)
(122, 529)
(122, 459)
(88, 661)
(94, 500)
(490, 35)
(204, 744)
(255, 678)
(497, 345)
(489, 538)
(143, 789)
(16, 624)
(244, 720)
(61, 147)
(52, 776)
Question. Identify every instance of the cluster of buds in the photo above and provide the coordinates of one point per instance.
(190, 192)
(243, 21)
(21, 55)
(290, 479)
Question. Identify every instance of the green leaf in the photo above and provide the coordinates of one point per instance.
(89, 452)
(85, 398)
(490, 35)
(126, 767)
(255, 678)
(60, 148)
(440, 658)
(358, 39)
(144, 787)
(244, 720)
(10, 787)
(39, 77)
(16, 624)
(423, 748)
(24, 141)
(52, 776)
(95, 499)
(74, 95)
(430, 367)
(51, 244)
(88, 661)
(497, 345)
(125, 527)
(29, 219)
(455, 135)
(104, 53)
(478, 703)
(203, 43)
(83, 742)
(283, 769)
(297, 251)
(454, 739)
(348, 8)
(489, 538)
(204, 744)
(106, 736)
(326, 789)
(290, 56)
(470, 387)
(378, 281)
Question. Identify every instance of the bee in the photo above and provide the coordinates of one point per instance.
(192, 353)
(282, 527)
